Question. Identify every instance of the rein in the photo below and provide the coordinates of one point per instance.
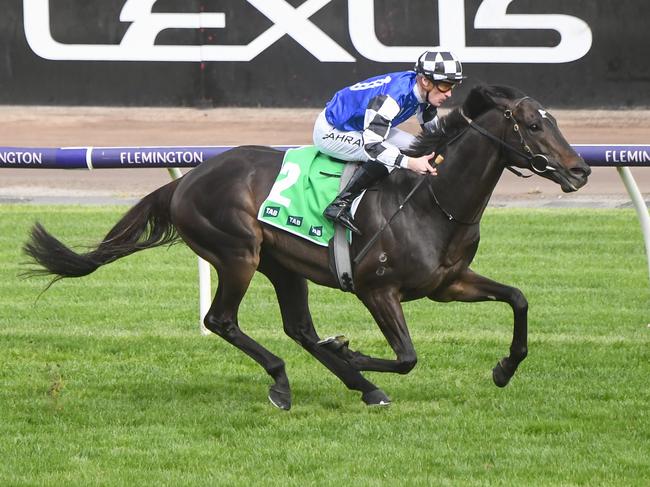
(487, 134)
(362, 253)
(366, 248)
(449, 216)
(539, 163)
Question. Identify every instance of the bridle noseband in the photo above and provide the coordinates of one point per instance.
(538, 163)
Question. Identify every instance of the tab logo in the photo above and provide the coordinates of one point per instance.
(294, 221)
(316, 231)
(138, 43)
(272, 211)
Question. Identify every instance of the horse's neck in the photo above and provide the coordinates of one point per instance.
(468, 177)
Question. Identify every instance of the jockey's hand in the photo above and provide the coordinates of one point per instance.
(421, 165)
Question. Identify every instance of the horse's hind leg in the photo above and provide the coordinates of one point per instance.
(292, 293)
(229, 237)
(222, 320)
(472, 287)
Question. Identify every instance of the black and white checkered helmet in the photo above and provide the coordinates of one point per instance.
(440, 66)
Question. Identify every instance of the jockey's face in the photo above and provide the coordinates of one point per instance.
(431, 93)
(436, 97)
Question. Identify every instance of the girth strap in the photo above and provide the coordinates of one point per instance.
(339, 246)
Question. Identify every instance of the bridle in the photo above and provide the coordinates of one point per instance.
(538, 163)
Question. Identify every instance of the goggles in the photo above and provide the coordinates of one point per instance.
(444, 86)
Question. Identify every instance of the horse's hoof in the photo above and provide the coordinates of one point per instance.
(376, 398)
(500, 376)
(281, 399)
(334, 343)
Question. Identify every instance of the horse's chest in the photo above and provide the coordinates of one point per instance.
(446, 251)
(427, 270)
(460, 249)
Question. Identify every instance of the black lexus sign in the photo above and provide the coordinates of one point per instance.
(297, 52)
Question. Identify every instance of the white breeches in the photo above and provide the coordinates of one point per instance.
(348, 146)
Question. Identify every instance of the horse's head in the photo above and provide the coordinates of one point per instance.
(531, 139)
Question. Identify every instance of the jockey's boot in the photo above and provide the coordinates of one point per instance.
(339, 210)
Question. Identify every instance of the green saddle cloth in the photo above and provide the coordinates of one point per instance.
(307, 183)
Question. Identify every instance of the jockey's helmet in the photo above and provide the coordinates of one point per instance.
(440, 66)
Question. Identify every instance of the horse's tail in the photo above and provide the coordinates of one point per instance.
(146, 225)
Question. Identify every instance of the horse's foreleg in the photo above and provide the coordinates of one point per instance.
(472, 287)
(292, 293)
(386, 309)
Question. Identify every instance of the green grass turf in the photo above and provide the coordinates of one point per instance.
(106, 380)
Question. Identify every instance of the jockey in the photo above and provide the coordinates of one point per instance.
(358, 124)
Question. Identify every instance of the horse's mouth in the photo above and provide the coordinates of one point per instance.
(572, 184)
(570, 188)
(571, 180)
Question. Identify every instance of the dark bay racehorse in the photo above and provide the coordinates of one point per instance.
(424, 252)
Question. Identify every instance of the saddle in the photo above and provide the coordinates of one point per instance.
(306, 184)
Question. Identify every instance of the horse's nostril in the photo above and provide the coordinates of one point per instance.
(581, 171)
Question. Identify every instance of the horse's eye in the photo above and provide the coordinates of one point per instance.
(534, 127)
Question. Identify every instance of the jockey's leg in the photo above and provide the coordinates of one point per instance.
(339, 209)
(400, 139)
(348, 146)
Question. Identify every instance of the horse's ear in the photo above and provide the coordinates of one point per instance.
(478, 101)
(483, 98)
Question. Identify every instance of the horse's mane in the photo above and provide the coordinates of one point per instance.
(480, 99)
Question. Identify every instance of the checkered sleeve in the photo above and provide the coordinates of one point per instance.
(377, 123)
(427, 116)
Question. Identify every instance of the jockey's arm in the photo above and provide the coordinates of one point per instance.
(378, 121)
(377, 124)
